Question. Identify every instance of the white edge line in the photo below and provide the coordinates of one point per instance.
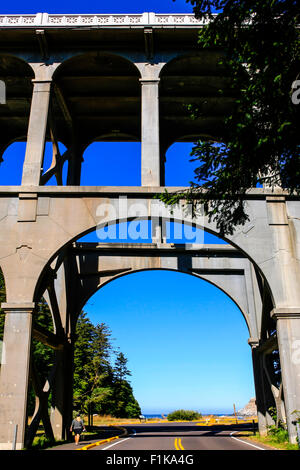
(245, 442)
(119, 441)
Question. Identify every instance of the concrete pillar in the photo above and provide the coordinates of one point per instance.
(151, 165)
(262, 390)
(288, 333)
(57, 405)
(36, 132)
(74, 168)
(62, 393)
(14, 374)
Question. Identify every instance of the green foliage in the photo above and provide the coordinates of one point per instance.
(278, 434)
(99, 385)
(260, 43)
(184, 415)
(42, 442)
(43, 356)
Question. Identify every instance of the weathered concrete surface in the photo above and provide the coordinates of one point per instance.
(15, 373)
(288, 331)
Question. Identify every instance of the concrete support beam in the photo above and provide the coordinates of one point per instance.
(15, 373)
(151, 165)
(36, 132)
(259, 389)
(265, 390)
(62, 393)
(288, 334)
(47, 338)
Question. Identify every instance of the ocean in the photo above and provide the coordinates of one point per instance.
(155, 416)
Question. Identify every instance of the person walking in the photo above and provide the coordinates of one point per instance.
(77, 427)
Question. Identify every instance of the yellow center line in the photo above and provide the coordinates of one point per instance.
(178, 444)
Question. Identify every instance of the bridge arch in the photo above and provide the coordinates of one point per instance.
(76, 57)
(239, 241)
(231, 295)
(16, 74)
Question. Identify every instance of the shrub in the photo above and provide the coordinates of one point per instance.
(278, 434)
(184, 415)
(41, 442)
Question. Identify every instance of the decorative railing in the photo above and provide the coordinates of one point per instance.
(45, 20)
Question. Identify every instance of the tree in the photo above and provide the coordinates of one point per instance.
(92, 368)
(42, 355)
(123, 401)
(99, 385)
(120, 369)
(260, 44)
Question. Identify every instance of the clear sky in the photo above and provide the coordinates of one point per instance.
(185, 340)
(94, 6)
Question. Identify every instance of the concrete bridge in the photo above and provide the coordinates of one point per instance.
(78, 79)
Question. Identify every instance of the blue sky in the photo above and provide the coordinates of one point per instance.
(93, 6)
(185, 340)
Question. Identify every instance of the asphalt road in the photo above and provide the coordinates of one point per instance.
(180, 436)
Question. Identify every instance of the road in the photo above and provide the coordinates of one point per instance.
(180, 436)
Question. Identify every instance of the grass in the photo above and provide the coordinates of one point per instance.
(269, 441)
(108, 420)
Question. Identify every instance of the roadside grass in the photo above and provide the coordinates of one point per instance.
(269, 441)
(107, 420)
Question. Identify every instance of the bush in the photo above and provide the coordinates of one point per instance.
(278, 434)
(184, 415)
(41, 442)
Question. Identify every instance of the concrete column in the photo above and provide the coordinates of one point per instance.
(57, 405)
(62, 393)
(288, 333)
(74, 168)
(36, 132)
(262, 390)
(151, 165)
(15, 373)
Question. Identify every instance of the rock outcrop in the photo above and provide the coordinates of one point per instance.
(249, 410)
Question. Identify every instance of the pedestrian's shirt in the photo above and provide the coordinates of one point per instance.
(77, 424)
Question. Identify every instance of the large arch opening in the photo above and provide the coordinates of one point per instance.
(195, 94)
(99, 272)
(97, 113)
(16, 79)
(186, 343)
(198, 80)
